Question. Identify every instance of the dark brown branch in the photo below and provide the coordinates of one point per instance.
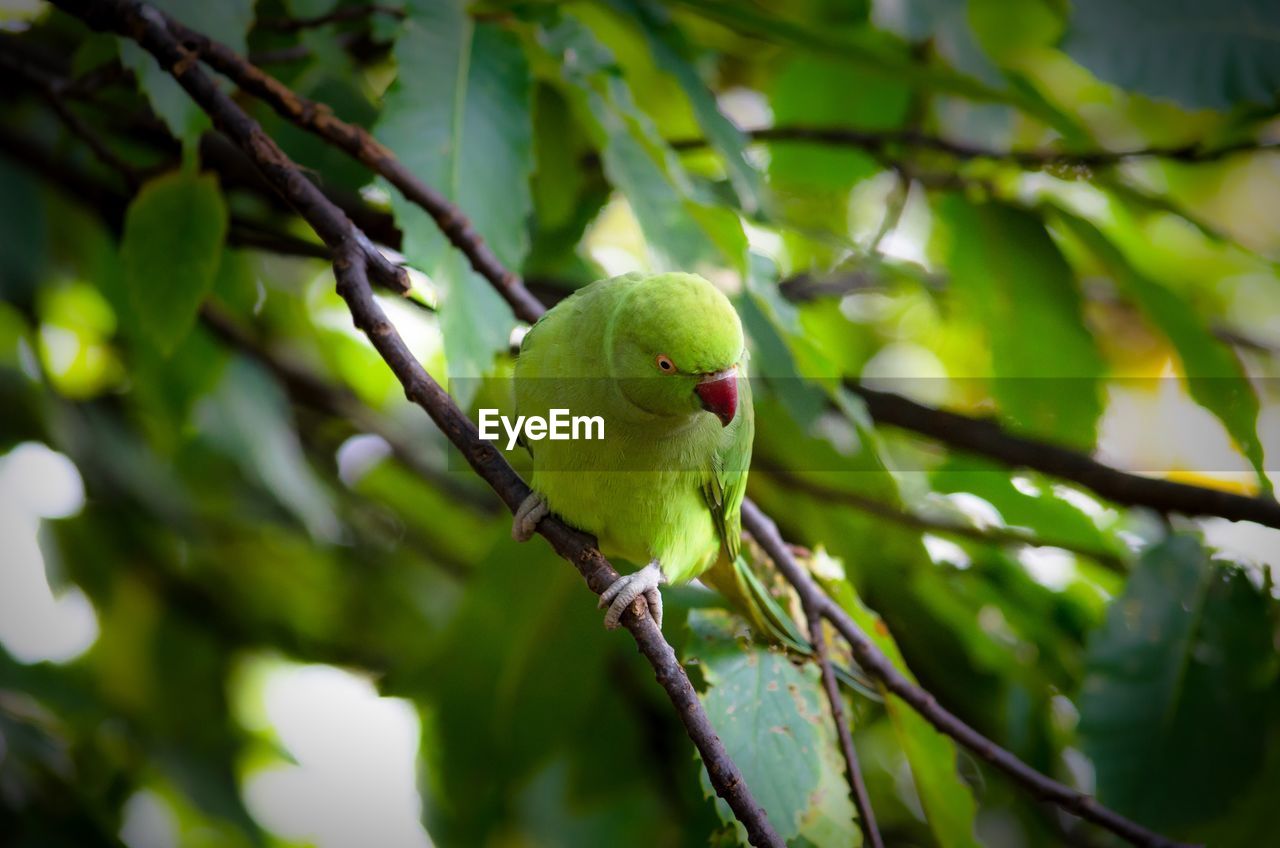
(853, 771)
(352, 257)
(337, 16)
(875, 663)
(988, 438)
(359, 144)
(889, 512)
(883, 140)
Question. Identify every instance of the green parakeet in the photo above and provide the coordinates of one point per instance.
(661, 359)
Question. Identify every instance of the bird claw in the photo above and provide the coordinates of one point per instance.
(627, 588)
(525, 522)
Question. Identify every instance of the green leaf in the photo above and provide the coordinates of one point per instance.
(173, 233)
(672, 52)
(1201, 55)
(566, 196)
(1215, 378)
(458, 116)
(948, 803)
(227, 21)
(811, 182)
(1011, 279)
(185, 119)
(681, 233)
(787, 357)
(776, 725)
(1177, 686)
(860, 47)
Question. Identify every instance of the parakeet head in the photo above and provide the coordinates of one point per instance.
(676, 347)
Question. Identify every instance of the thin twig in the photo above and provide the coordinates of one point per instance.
(351, 261)
(881, 140)
(875, 663)
(853, 771)
(359, 144)
(988, 438)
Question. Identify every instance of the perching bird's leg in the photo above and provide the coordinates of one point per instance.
(531, 510)
(628, 587)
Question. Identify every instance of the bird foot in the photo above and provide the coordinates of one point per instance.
(525, 522)
(628, 587)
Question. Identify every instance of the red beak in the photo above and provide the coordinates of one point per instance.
(719, 394)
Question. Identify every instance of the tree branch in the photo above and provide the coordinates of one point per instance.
(879, 666)
(882, 140)
(988, 438)
(352, 259)
(356, 141)
(853, 771)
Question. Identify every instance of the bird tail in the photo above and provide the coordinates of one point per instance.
(748, 596)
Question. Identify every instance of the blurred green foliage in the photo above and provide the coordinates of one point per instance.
(842, 169)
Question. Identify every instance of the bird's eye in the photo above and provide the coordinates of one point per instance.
(665, 365)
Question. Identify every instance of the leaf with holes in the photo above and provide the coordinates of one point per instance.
(775, 722)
